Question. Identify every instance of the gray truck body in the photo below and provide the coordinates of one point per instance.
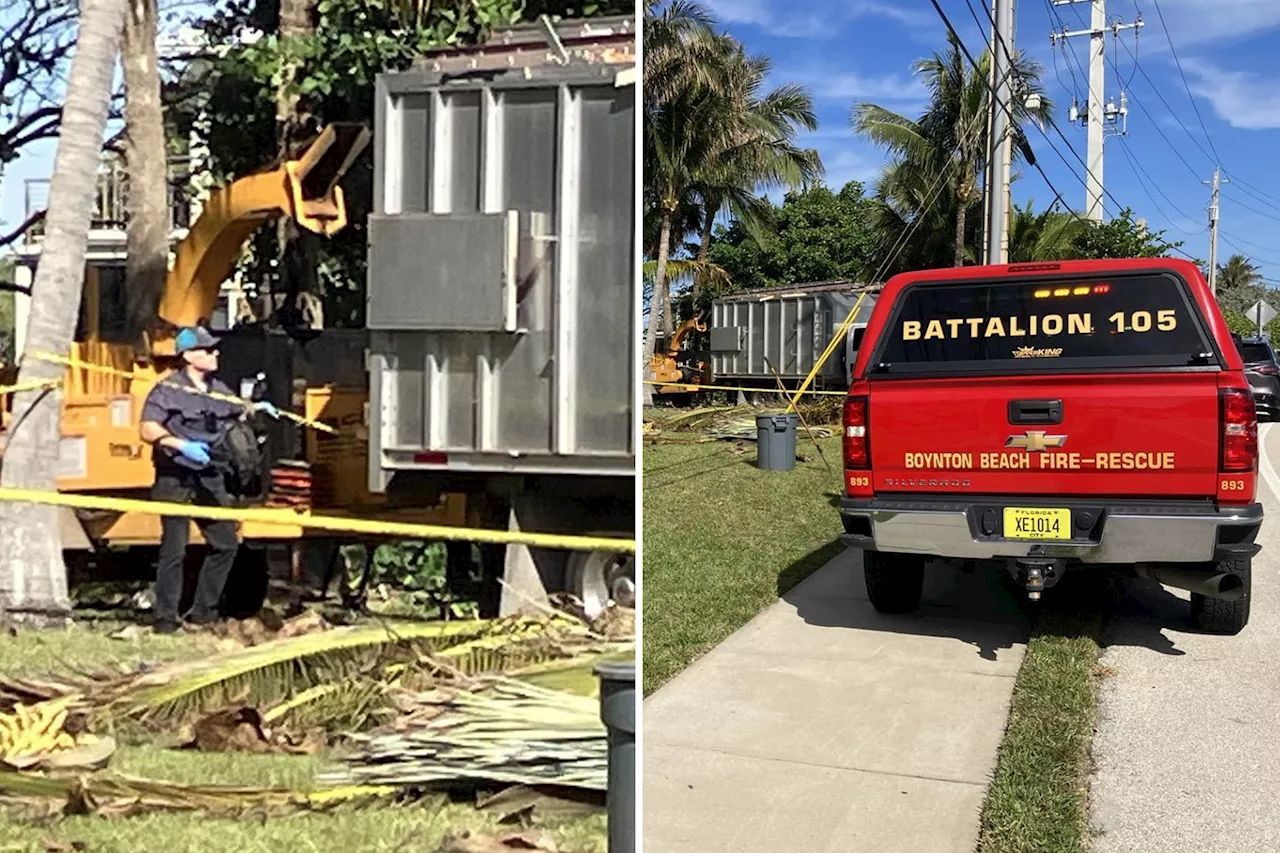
(786, 329)
(502, 285)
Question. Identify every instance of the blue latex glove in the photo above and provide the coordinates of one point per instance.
(196, 451)
(267, 409)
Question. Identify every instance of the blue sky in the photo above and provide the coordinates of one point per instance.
(850, 51)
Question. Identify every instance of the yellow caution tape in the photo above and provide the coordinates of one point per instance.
(213, 395)
(731, 388)
(831, 347)
(332, 523)
(29, 385)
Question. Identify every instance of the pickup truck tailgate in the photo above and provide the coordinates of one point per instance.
(1110, 434)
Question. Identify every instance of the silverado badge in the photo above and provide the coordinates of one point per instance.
(1035, 441)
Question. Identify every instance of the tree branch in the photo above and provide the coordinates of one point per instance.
(31, 220)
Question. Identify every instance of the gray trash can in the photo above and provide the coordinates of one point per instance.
(618, 711)
(776, 442)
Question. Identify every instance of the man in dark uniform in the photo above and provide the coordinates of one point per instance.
(183, 425)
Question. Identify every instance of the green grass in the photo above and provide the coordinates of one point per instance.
(86, 646)
(722, 540)
(1038, 800)
(381, 827)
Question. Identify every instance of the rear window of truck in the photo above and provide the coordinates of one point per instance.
(1252, 353)
(1028, 326)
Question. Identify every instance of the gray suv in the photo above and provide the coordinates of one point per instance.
(1263, 372)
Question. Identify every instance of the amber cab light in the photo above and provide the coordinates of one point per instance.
(857, 434)
(1239, 430)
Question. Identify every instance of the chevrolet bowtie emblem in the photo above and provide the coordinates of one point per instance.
(1035, 441)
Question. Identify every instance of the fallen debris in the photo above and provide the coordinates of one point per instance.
(466, 842)
(501, 730)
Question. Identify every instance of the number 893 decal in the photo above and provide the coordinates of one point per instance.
(1231, 486)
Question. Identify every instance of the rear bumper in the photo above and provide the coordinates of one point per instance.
(1267, 404)
(1146, 532)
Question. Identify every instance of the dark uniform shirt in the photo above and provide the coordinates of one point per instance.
(194, 417)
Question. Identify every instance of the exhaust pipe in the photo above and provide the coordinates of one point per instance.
(1221, 585)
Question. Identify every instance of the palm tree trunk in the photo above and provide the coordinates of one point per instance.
(655, 303)
(148, 199)
(33, 579)
(962, 214)
(298, 248)
(704, 249)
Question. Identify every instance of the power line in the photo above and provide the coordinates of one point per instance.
(1264, 214)
(1068, 53)
(1138, 168)
(1008, 109)
(1236, 240)
(1185, 84)
(1211, 157)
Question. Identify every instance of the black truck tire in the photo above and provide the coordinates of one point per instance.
(894, 581)
(1216, 616)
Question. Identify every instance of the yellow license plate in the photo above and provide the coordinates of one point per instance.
(1036, 523)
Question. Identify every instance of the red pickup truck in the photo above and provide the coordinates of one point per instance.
(1051, 416)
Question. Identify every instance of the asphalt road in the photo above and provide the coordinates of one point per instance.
(1187, 752)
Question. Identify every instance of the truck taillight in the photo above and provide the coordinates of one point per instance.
(857, 433)
(1239, 430)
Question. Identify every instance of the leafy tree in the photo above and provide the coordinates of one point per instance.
(948, 141)
(1046, 236)
(816, 235)
(1239, 285)
(1121, 237)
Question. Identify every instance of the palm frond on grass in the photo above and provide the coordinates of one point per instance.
(266, 675)
(114, 795)
(504, 731)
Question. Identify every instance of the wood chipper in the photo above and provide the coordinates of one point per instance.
(322, 378)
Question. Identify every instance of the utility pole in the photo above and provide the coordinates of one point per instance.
(999, 141)
(1216, 183)
(1099, 112)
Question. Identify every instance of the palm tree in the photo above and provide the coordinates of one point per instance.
(1238, 272)
(737, 183)
(1239, 284)
(32, 575)
(1044, 236)
(147, 255)
(949, 141)
(717, 140)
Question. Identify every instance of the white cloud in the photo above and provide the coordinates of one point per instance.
(851, 86)
(1243, 99)
(851, 162)
(1196, 22)
(781, 18)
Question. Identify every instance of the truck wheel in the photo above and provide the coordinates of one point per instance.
(598, 577)
(894, 581)
(1215, 616)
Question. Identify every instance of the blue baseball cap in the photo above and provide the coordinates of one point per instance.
(194, 337)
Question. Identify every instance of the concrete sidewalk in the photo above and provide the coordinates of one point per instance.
(822, 725)
(1189, 724)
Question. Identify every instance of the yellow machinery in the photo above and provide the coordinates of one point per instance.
(101, 450)
(675, 366)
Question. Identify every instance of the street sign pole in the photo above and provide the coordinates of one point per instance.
(1262, 314)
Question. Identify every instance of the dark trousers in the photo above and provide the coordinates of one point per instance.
(205, 488)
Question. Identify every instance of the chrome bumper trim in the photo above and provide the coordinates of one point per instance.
(1126, 538)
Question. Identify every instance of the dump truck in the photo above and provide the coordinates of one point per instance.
(760, 337)
(502, 295)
